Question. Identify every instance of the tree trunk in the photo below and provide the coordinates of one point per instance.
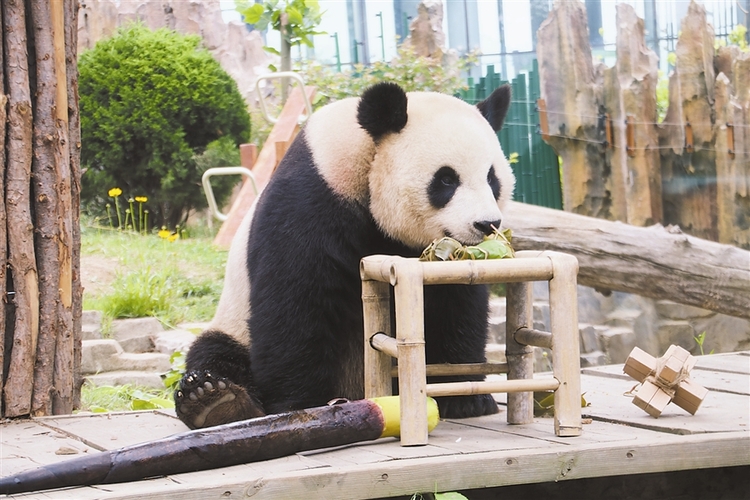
(656, 262)
(74, 150)
(3, 224)
(19, 382)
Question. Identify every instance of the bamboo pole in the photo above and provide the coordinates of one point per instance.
(385, 344)
(451, 369)
(512, 387)
(377, 318)
(74, 151)
(412, 379)
(529, 336)
(19, 381)
(566, 360)
(520, 357)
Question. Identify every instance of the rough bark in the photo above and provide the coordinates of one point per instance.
(638, 170)
(3, 225)
(688, 175)
(655, 262)
(74, 150)
(46, 186)
(571, 88)
(19, 382)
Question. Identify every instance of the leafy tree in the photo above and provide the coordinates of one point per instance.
(150, 104)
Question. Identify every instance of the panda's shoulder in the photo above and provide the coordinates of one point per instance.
(341, 150)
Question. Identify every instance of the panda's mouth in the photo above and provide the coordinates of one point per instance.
(475, 239)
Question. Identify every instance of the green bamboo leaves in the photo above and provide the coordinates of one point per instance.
(495, 246)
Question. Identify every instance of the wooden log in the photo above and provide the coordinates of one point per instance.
(63, 380)
(21, 255)
(74, 150)
(656, 262)
(241, 442)
(46, 184)
(3, 220)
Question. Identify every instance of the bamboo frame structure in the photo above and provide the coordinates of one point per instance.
(408, 278)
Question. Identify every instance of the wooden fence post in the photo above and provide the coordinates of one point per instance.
(41, 203)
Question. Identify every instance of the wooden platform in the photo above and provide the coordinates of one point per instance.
(464, 454)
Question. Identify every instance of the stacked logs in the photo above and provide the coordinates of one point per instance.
(39, 225)
(690, 170)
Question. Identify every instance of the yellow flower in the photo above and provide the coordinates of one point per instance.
(164, 233)
(175, 236)
(114, 192)
(141, 199)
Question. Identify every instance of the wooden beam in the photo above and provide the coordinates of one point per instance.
(656, 262)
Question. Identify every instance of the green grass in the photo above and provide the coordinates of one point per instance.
(176, 282)
(101, 399)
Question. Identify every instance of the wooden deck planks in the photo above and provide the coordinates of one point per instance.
(461, 454)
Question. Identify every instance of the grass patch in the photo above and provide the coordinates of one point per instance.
(102, 399)
(176, 282)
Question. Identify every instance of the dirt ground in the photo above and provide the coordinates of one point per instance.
(97, 272)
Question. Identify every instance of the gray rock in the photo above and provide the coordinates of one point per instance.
(146, 362)
(99, 355)
(170, 341)
(672, 310)
(136, 334)
(91, 317)
(723, 333)
(90, 331)
(496, 329)
(594, 358)
(495, 353)
(617, 343)
(589, 338)
(680, 333)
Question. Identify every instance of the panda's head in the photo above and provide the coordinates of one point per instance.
(438, 168)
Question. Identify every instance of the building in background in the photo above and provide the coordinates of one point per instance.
(503, 31)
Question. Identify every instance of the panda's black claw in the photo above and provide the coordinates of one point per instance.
(204, 400)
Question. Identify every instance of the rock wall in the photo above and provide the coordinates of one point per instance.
(240, 52)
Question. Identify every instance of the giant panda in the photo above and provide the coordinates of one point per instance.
(386, 173)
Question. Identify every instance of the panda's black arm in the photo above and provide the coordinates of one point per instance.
(221, 355)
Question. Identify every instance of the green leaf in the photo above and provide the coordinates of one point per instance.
(295, 16)
(271, 50)
(253, 13)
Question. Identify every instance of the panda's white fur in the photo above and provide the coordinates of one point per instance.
(359, 179)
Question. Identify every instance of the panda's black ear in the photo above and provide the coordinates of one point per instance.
(495, 107)
(382, 109)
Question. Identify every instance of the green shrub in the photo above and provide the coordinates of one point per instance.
(151, 104)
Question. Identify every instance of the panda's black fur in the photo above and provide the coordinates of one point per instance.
(306, 322)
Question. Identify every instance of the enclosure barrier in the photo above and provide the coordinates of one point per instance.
(408, 277)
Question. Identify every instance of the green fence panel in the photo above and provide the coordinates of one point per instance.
(537, 169)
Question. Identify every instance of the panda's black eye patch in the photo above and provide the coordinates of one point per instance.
(443, 186)
(494, 183)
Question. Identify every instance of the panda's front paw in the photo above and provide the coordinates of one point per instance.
(204, 400)
(466, 406)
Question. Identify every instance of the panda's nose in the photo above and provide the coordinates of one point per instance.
(488, 226)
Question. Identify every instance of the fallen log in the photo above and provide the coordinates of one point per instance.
(241, 442)
(655, 261)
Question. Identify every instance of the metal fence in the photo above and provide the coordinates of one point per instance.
(534, 162)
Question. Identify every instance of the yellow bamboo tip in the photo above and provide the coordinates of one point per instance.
(391, 409)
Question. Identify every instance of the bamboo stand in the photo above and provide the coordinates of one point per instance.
(408, 277)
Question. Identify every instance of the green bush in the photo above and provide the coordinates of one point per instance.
(151, 102)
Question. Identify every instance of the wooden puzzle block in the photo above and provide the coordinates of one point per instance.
(689, 396)
(639, 364)
(664, 380)
(651, 398)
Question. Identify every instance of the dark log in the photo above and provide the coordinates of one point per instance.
(46, 206)
(251, 440)
(21, 256)
(656, 262)
(74, 150)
